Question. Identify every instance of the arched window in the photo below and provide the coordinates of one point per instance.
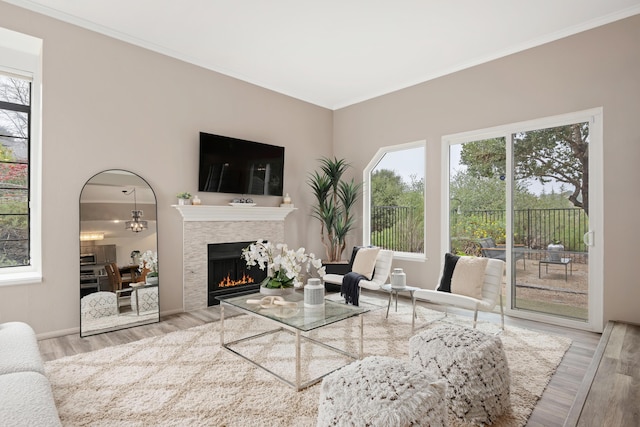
(394, 200)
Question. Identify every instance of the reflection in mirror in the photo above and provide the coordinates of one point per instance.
(118, 253)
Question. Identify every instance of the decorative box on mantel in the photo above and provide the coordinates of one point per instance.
(232, 213)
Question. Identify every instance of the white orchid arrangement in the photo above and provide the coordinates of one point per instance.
(284, 266)
(149, 260)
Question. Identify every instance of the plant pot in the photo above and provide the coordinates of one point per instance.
(153, 280)
(183, 202)
(554, 251)
(276, 291)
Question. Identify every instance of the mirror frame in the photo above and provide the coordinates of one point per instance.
(121, 322)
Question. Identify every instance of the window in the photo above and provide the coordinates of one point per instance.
(20, 158)
(394, 200)
(15, 114)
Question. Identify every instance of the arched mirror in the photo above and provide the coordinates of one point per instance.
(118, 253)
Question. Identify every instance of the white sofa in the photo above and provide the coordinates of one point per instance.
(25, 393)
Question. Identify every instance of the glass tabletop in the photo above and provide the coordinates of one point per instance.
(297, 316)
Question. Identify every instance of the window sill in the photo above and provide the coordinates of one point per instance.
(409, 256)
(27, 278)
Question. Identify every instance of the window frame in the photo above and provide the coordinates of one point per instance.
(22, 57)
(366, 199)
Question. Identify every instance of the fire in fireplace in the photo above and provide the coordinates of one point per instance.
(228, 273)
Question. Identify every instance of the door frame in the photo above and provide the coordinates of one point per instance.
(594, 116)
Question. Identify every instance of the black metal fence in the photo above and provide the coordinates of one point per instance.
(396, 228)
(537, 228)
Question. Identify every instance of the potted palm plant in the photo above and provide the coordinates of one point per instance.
(334, 200)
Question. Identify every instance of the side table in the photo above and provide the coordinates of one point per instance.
(391, 290)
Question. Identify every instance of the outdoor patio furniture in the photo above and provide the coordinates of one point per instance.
(562, 261)
(489, 249)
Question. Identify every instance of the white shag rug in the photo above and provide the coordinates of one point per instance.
(183, 378)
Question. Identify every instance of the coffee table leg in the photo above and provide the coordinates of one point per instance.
(361, 336)
(297, 360)
(221, 324)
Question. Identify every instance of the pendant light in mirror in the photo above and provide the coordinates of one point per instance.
(136, 224)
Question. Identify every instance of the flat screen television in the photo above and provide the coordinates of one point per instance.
(231, 165)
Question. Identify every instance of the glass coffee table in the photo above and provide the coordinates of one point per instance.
(295, 319)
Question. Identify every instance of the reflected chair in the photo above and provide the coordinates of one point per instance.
(98, 304)
(145, 300)
(113, 273)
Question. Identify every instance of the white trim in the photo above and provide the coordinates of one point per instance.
(232, 213)
(26, 62)
(366, 196)
(596, 205)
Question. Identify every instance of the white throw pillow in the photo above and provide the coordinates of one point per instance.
(468, 276)
(365, 262)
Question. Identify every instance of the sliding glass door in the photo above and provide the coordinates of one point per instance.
(527, 194)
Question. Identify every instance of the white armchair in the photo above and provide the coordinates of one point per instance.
(491, 294)
(380, 275)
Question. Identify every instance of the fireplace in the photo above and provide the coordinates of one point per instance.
(227, 272)
(207, 224)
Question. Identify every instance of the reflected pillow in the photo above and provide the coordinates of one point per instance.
(450, 261)
(468, 276)
(365, 262)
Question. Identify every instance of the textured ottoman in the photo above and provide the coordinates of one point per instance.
(474, 365)
(382, 391)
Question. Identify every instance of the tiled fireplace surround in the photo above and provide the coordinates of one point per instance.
(203, 225)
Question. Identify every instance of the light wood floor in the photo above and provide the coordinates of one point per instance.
(551, 410)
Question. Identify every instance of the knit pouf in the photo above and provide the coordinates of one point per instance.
(382, 391)
(474, 365)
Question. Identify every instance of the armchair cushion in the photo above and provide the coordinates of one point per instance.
(450, 261)
(365, 262)
(468, 276)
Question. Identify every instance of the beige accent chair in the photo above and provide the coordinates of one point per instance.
(491, 294)
(380, 275)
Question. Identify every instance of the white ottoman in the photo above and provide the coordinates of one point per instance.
(474, 365)
(382, 391)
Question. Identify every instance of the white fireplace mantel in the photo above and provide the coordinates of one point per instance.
(232, 213)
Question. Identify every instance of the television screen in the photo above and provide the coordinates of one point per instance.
(231, 165)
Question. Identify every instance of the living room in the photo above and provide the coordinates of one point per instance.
(108, 104)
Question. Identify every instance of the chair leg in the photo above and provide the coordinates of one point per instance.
(501, 312)
(413, 318)
(475, 318)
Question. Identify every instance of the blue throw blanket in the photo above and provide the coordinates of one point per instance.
(350, 288)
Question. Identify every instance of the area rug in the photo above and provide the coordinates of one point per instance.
(184, 378)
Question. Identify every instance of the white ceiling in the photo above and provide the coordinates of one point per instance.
(334, 53)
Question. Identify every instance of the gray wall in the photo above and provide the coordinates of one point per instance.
(108, 104)
(597, 68)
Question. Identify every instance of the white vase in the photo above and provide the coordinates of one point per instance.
(152, 280)
(314, 293)
(398, 279)
(554, 251)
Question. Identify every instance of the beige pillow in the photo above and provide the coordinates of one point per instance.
(365, 262)
(468, 276)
